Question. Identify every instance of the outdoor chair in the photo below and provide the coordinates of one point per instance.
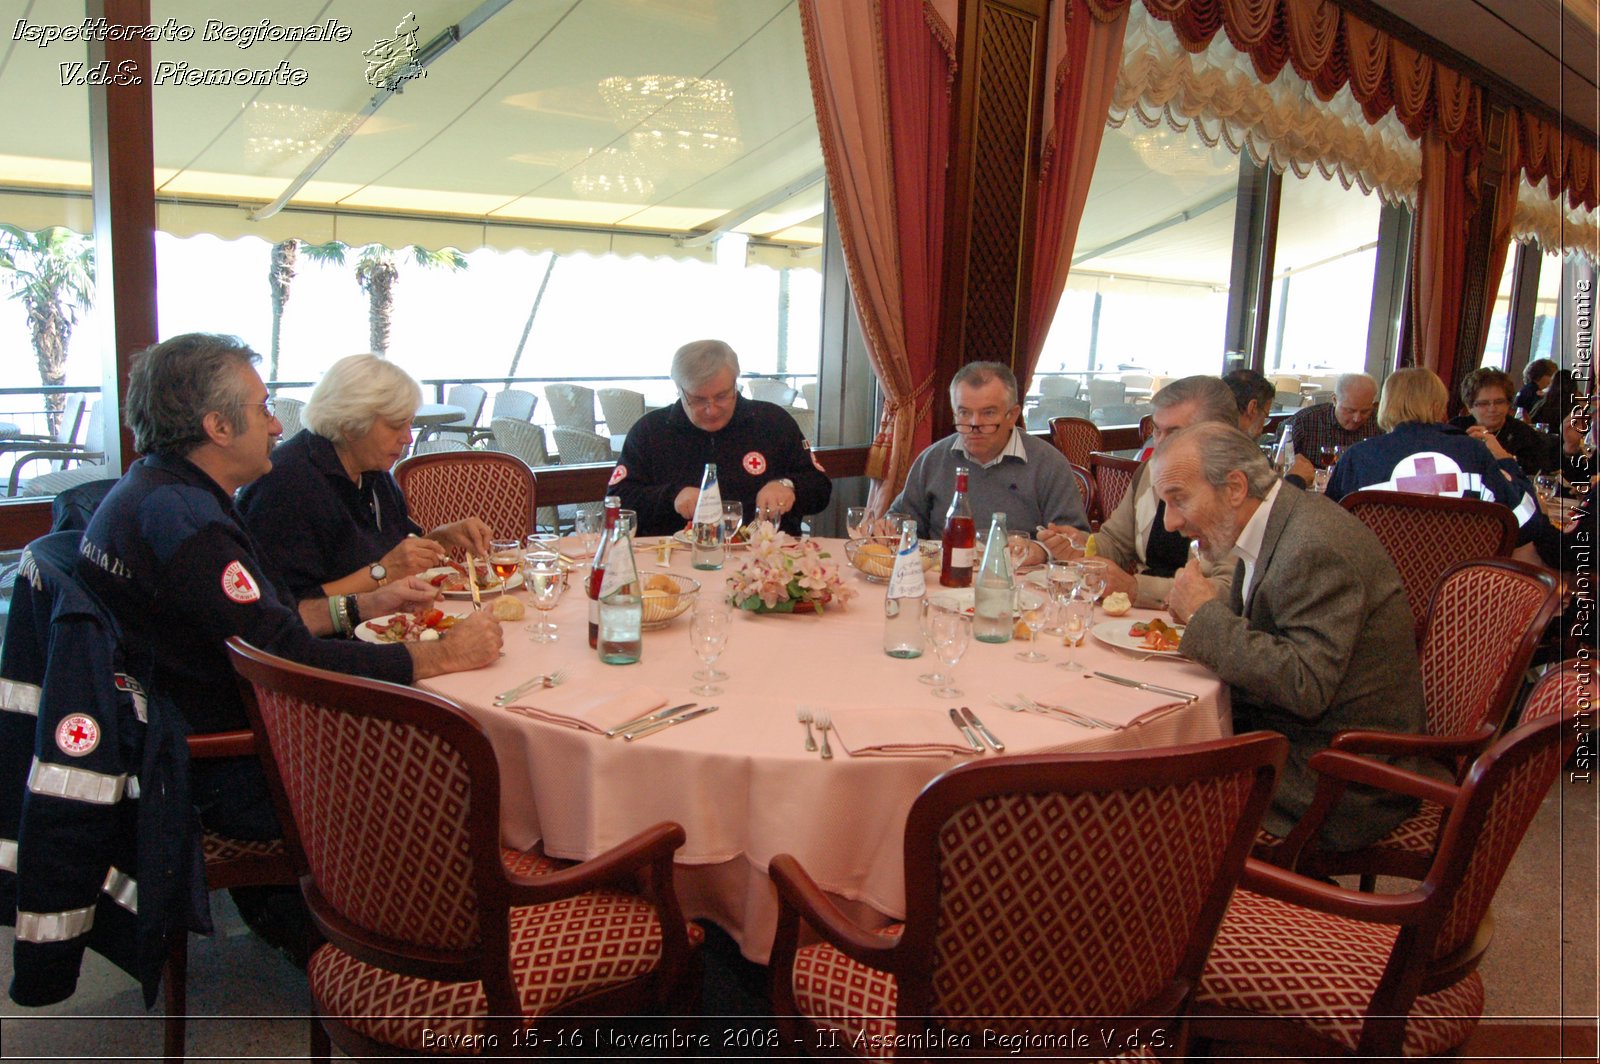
(577, 447)
(390, 801)
(806, 419)
(441, 445)
(620, 407)
(1060, 387)
(470, 398)
(290, 414)
(772, 391)
(498, 487)
(1038, 889)
(809, 391)
(1075, 437)
(525, 440)
(514, 403)
(1308, 969)
(1106, 393)
(1118, 414)
(59, 456)
(1112, 476)
(1047, 408)
(1426, 534)
(1286, 384)
(571, 406)
(64, 436)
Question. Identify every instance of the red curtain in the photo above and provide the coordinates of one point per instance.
(880, 76)
(1439, 257)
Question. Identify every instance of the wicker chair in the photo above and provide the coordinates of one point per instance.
(446, 487)
(577, 447)
(1427, 534)
(514, 403)
(290, 413)
(571, 406)
(768, 390)
(1023, 906)
(1112, 477)
(470, 398)
(620, 407)
(456, 936)
(1075, 437)
(525, 440)
(1312, 970)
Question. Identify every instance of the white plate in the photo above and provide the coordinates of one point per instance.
(466, 593)
(1115, 633)
(367, 635)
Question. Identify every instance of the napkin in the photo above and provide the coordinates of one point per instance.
(896, 731)
(592, 709)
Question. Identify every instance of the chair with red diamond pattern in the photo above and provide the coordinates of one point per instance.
(435, 936)
(1304, 968)
(1484, 623)
(452, 485)
(1113, 476)
(1427, 534)
(1075, 437)
(1043, 893)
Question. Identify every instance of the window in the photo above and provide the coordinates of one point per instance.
(1497, 345)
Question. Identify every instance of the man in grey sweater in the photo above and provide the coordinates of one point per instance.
(1009, 471)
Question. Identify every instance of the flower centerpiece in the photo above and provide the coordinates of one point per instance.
(781, 575)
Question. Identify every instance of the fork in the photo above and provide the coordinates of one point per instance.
(1071, 714)
(804, 716)
(824, 722)
(549, 679)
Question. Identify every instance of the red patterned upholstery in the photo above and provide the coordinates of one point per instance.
(1113, 477)
(448, 486)
(390, 801)
(1294, 950)
(1075, 437)
(1418, 833)
(1427, 534)
(1048, 886)
(220, 850)
(1561, 690)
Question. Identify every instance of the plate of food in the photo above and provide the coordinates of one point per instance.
(451, 578)
(1154, 636)
(405, 627)
(741, 538)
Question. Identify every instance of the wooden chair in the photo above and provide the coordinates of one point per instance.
(1484, 623)
(1112, 477)
(571, 406)
(390, 801)
(1307, 969)
(1075, 437)
(620, 407)
(498, 487)
(1037, 888)
(1426, 534)
(1091, 501)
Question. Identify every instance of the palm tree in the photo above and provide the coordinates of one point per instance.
(280, 275)
(377, 273)
(51, 273)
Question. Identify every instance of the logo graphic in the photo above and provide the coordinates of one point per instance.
(130, 687)
(1428, 473)
(618, 474)
(755, 463)
(239, 585)
(77, 735)
(391, 63)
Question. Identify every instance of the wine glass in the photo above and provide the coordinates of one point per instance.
(934, 678)
(857, 522)
(1330, 455)
(545, 579)
(732, 521)
(1063, 577)
(627, 524)
(1093, 580)
(1077, 617)
(708, 636)
(952, 631)
(1038, 610)
(1546, 485)
(706, 603)
(1019, 545)
(589, 522)
(505, 558)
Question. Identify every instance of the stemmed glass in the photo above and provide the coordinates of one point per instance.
(708, 636)
(1093, 580)
(934, 678)
(1038, 610)
(1018, 546)
(1063, 577)
(952, 631)
(545, 578)
(1077, 619)
(505, 558)
(857, 522)
(589, 522)
(732, 521)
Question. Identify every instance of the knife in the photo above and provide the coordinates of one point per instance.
(988, 736)
(612, 733)
(972, 740)
(472, 582)
(640, 733)
(1187, 696)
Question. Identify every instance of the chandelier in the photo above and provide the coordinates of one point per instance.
(613, 174)
(284, 130)
(677, 121)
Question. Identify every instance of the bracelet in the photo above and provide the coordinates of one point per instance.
(341, 615)
(333, 614)
(353, 609)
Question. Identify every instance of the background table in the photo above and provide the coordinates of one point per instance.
(740, 781)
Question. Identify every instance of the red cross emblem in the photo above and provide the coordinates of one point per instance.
(239, 585)
(617, 474)
(77, 735)
(1428, 478)
(755, 463)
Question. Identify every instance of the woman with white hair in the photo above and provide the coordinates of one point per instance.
(329, 518)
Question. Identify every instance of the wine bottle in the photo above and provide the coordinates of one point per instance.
(597, 568)
(707, 525)
(621, 603)
(955, 566)
(902, 606)
(992, 595)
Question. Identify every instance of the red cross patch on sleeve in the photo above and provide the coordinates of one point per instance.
(755, 463)
(77, 735)
(618, 474)
(239, 585)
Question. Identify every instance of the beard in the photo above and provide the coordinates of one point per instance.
(1220, 538)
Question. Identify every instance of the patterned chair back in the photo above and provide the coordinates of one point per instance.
(1426, 534)
(621, 407)
(1075, 437)
(468, 397)
(514, 403)
(571, 405)
(768, 390)
(577, 447)
(1064, 387)
(1484, 623)
(1501, 794)
(1077, 885)
(1113, 477)
(525, 440)
(290, 414)
(1091, 502)
(445, 487)
(388, 797)
(1559, 690)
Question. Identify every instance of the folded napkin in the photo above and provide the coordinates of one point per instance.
(896, 731)
(1109, 701)
(589, 708)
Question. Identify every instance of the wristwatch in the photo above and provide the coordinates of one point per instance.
(379, 573)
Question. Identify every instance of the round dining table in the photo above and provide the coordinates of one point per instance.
(429, 414)
(741, 781)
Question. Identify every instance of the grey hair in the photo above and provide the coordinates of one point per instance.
(1222, 448)
(1341, 386)
(1213, 399)
(977, 374)
(355, 392)
(173, 385)
(697, 362)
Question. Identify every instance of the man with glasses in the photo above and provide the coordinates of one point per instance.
(1488, 394)
(762, 459)
(1009, 471)
(1342, 423)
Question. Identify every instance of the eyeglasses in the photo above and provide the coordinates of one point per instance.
(706, 402)
(1490, 404)
(970, 429)
(268, 406)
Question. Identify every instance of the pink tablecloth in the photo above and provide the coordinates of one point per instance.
(740, 781)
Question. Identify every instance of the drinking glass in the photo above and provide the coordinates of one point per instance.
(1063, 577)
(627, 523)
(1038, 611)
(1093, 581)
(1546, 485)
(952, 631)
(934, 678)
(1019, 545)
(708, 603)
(589, 522)
(1330, 455)
(708, 635)
(505, 558)
(732, 521)
(857, 522)
(888, 526)
(545, 579)
(1077, 619)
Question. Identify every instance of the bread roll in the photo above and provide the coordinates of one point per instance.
(508, 608)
